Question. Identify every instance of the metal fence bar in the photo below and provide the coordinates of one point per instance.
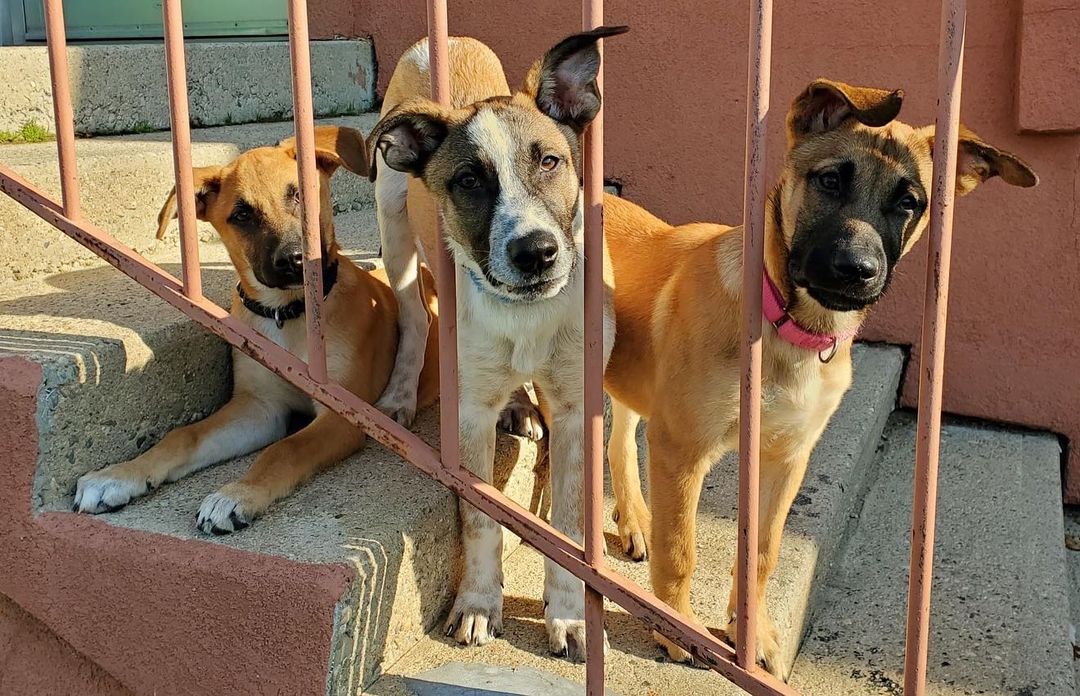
(439, 60)
(304, 126)
(757, 111)
(56, 36)
(932, 355)
(176, 72)
(593, 151)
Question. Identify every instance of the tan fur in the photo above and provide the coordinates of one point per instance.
(360, 328)
(676, 355)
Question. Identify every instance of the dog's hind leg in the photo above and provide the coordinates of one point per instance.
(245, 424)
(402, 260)
(277, 472)
(476, 617)
(631, 513)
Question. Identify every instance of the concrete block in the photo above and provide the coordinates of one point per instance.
(121, 88)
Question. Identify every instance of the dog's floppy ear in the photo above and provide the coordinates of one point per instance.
(335, 146)
(407, 136)
(978, 161)
(563, 81)
(207, 185)
(825, 104)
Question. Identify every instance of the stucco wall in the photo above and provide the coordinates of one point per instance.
(675, 109)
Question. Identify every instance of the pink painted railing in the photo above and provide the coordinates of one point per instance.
(586, 562)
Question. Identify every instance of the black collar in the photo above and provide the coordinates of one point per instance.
(292, 310)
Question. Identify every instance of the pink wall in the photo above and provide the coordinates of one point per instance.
(675, 109)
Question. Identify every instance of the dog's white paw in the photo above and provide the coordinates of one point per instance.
(476, 618)
(399, 405)
(229, 510)
(564, 615)
(522, 417)
(107, 490)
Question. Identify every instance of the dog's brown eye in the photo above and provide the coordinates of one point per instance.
(549, 162)
(908, 203)
(240, 216)
(468, 182)
(829, 181)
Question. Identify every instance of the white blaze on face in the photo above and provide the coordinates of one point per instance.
(516, 212)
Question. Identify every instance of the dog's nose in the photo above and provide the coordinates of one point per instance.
(289, 259)
(854, 267)
(534, 253)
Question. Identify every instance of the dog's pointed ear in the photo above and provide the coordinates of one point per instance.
(977, 161)
(826, 104)
(335, 146)
(408, 136)
(207, 185)
(563, 81)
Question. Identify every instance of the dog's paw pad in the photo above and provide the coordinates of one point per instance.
(99, 491)
(222, 514)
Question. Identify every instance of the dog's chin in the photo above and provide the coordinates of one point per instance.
(841, 301)
(529, 292)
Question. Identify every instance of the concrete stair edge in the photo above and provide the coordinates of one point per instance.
(124, 181)
(999, 618)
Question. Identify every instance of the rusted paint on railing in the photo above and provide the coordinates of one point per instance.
(757, 111)
(304, 127)
(593, 152)
(176, 73)
(446, 283)
(932, 355)
(56, 35)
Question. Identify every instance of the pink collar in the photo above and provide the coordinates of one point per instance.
(774, 309)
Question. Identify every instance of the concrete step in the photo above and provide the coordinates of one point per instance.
(121, 88)
(1000, 613)
(834, 484)
(364, 555)
(124, 181)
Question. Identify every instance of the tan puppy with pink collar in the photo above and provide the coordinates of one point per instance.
(851, 201)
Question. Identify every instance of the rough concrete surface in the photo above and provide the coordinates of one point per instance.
(999, 619)
(831, 490)
(121, 367)
(460, 679)
(121, 88)
(34, 660)
(124, 181)
(1072, 558)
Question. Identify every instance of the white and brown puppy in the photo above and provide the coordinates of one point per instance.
(851, 201)
(253, 203)
(503, 171)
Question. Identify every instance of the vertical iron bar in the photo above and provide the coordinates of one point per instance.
(304, 125)
(176, 72)
(932, 355)
(593, 17)
(56, 37)
(439, 60)
(757, 111)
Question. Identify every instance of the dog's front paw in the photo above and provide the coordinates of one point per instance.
(564, 614)
(769, 653)
(399, 405)
(107, 490)
(674, 652)
(522, 417)
(633, 531)
(230, 509)
(476, 618)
